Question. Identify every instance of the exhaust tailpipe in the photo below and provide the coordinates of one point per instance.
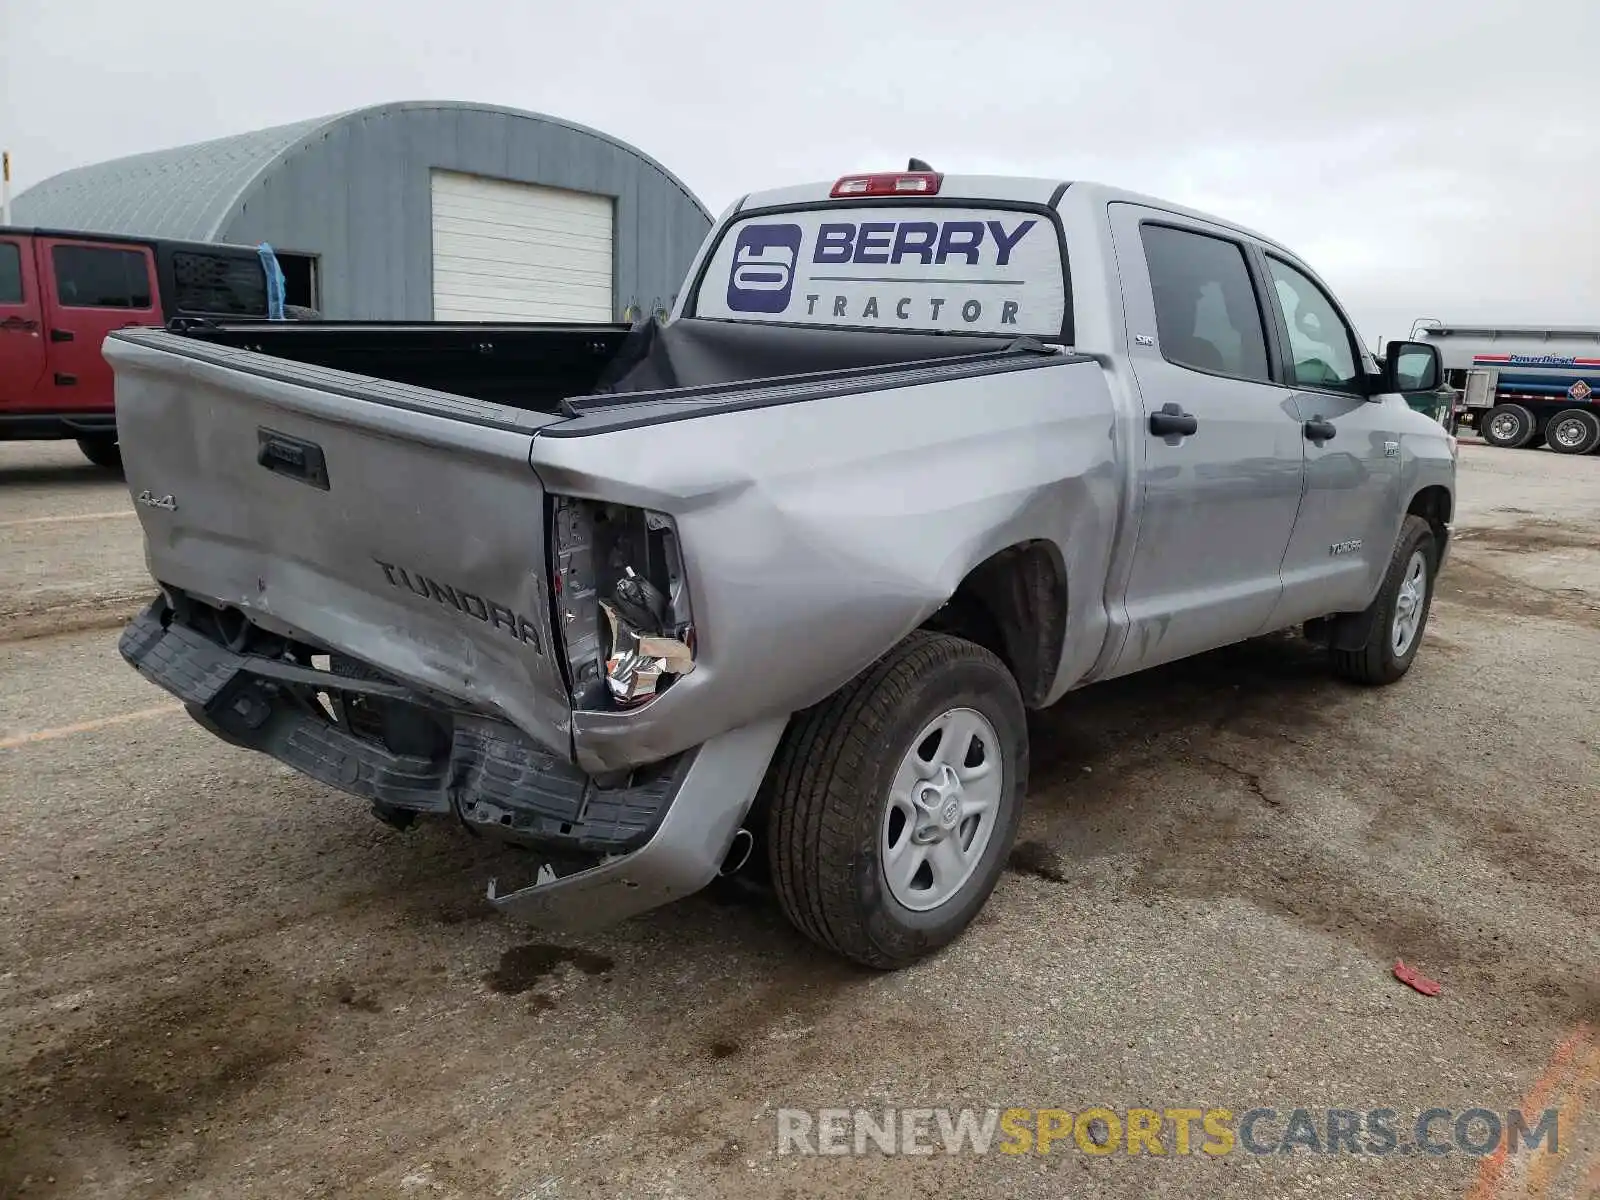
(738, 853)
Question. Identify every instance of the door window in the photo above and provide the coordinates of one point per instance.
(100, 277)
(1206, 309)
(1320, 343)
(10, 273)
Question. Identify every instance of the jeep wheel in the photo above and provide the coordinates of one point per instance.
(1507, 426)
(102, 452)
(1399, 614)
(1573, 431)
(892, 805)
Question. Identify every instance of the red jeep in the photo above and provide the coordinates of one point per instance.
(61, 293)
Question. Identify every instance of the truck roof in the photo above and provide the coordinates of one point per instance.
(1014, 189)
(125, 239)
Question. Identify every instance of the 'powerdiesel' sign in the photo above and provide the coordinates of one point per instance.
(972, 270)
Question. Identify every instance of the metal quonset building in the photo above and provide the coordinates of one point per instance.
(413, 211)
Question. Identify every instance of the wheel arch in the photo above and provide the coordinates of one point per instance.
(1435, 505)
(1014, 604)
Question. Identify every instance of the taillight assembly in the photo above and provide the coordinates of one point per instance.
(621, 602)
(889, 183)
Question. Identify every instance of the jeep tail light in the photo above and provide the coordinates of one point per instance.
(891, 183)
(621, 605)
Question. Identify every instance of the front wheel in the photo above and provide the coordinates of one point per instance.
(102, 452)
(1400, 612)
(891, 806)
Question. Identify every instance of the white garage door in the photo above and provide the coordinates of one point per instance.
(516, 252)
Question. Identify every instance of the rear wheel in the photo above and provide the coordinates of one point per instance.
(1400, 612)
(1573, 431)
(102, 451)
(892, 805)
(1507, 425)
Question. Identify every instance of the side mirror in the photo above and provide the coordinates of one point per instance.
(1412, 367)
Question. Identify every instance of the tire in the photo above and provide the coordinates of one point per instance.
(1573, 431)
(1507, 426)
(102, 452)
(832, 825)
(1384, 659)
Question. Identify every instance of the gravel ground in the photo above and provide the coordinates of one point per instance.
(218, 979)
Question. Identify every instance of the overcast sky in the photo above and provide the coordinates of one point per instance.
(1435, 159)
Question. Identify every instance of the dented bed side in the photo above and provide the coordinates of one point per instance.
(816, 535)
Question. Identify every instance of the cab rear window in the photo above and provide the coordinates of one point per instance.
(921, 269)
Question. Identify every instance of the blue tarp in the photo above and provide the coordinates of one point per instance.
(269, 264)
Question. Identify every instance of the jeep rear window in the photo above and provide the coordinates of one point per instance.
(923, 269)
(218, 283)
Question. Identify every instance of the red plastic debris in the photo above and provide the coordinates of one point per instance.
(1415, 980)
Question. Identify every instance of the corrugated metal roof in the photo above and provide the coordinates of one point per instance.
(186, 192)
(191, 192)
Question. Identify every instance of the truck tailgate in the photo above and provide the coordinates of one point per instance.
(399, 526)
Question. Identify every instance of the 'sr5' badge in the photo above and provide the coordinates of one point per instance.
(763, 268)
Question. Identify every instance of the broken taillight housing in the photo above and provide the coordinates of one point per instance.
(621, 602)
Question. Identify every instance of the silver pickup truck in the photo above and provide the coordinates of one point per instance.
(914, 453)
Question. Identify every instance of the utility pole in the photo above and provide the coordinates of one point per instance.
(5, 187)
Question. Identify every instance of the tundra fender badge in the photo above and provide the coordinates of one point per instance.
(150, 500)
(1345, 547)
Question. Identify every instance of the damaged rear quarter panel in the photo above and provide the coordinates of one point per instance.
(817, 534)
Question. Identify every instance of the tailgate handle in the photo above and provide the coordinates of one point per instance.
(293, 457)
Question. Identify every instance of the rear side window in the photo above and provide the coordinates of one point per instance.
(10, 273)
(218, 283)
(1206, 309)
(100, 277)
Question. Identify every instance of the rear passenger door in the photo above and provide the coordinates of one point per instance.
(1219, 454)
(94, 289)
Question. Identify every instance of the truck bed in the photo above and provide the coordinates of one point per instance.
(536, 368)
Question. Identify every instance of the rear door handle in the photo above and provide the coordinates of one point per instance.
(61, 335)
(1172, 421)
(1318, 430)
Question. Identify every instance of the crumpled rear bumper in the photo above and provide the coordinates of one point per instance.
(602, 853)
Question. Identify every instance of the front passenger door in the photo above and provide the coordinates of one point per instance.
(21, 335)
(1350, 515)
